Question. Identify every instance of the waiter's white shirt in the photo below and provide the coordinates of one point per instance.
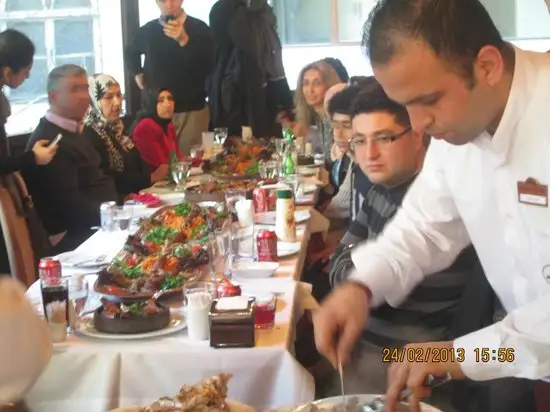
(469, 194)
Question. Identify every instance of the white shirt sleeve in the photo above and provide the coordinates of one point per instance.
(425, 236)
(525, 336)
(25, 342)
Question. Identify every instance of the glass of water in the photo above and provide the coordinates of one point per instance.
(268, 169)
(220, 135)
(232, 196)
(123, 217)
(180, 173)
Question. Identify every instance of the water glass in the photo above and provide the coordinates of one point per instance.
(123, 217)
(78, 293)
(242, 244)
(220, 254)
(180, 173)
(198, 297)
(294, 182)
(268, 169)
(220, 135)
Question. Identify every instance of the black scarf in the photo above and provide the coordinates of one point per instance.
(149, 100)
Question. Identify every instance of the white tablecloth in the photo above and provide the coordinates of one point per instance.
(89, 375)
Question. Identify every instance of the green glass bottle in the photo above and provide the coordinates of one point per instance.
(289, 167)
(172, 160)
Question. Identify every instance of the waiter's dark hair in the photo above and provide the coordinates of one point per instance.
(16, 50)
(373, 99)
(455, 30)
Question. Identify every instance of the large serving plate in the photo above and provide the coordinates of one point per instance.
(136, 273)
(269, 218)
(329, 403)
(132, 325)
(192, 194)
(234, 406)
(176, 324)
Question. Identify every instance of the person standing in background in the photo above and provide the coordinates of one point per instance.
(179, 56)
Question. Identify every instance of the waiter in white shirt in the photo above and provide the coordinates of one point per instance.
(485, 181)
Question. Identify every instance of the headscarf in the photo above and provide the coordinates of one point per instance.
(149, 100)
(110, 131)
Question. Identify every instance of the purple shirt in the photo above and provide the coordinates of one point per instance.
(63, 122)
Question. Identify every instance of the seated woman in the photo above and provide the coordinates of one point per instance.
(153, 131)
(105, 130)
(313, 82)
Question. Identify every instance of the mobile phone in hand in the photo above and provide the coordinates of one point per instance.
(56, 140)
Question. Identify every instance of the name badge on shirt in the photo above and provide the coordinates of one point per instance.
(533, 193)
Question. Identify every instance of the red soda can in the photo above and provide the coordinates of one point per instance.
(260, 200)
(267, 246)
(49, 269)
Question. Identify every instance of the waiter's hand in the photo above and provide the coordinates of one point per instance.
(340, 320)
(174, 29)
(429, 359)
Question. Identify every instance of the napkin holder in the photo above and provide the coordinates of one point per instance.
(232, 328)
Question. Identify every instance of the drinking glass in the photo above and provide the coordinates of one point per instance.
(78, 293)
(294, 182)
(220, 135)
(180, 173)
(220, 254)
(196, 154)
(268, 169)
(123, 217)
(207, 142)
(55, 293)
(232, 196)
(265, 307)
(242, 244)
(198, 297)
(280, 147)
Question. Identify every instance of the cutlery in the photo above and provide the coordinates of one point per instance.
(99, 259)
(341, 373)
(378, 404)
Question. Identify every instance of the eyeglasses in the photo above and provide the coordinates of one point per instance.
(358, 143)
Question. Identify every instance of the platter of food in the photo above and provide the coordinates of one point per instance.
(354, 403)
(137, 320)
(207, 396)
(168, 249)
(214, 190)
(238, 161)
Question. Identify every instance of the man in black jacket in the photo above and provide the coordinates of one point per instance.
(68, 191)
(179, 56)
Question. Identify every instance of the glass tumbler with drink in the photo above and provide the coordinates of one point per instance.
(78, 295)
(180, 174)
(123, 216)
(265, 307)
(232, 196)
(198, 297)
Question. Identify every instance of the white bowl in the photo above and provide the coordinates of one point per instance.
(254, 270)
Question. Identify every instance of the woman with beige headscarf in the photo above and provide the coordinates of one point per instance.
(24, 341)
(313, 82)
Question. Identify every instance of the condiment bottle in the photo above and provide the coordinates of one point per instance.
(285, 225)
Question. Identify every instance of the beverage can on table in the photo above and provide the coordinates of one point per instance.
(267, 246)
(107, 214)
(49, 269)
(226, 288)
(260, 199)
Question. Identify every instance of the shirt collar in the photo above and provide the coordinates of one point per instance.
(502, 140)
(63, 122)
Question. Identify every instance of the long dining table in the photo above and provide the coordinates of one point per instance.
(96, 375)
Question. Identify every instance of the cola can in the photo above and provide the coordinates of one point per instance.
(267, 246)
(227, 288)
(260, 200)
(49, 270)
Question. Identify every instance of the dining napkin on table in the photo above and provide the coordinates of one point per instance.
(25, 342)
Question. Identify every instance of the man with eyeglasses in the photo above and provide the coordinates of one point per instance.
(391, 154)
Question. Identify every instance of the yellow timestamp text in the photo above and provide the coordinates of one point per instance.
(501, 355)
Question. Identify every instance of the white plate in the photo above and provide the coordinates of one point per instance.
(177, 323)
(268, 218)
(173, 198)
(254, 270)
(73, 259)
(329, 403)
(285, 249)
(234, 406)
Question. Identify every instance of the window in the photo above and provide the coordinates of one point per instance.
(83, 32)
(303, 21)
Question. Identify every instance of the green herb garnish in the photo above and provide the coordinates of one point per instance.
(198, 229)
(136, 309)
(252, 170)
(131, 272)
(158, 235)
(221, 215)
(182, 251)
(183, 209)
(172, 282)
